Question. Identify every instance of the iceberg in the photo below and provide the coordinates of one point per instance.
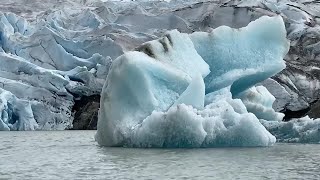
(140, 82)
(181, 90)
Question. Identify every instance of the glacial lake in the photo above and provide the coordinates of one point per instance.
(75, 155)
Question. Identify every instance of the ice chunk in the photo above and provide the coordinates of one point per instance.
(177, 50)
(25, 119)
(194, 94)
(15, 114)
(242, 57)
(217, 95)
(5, 96)
(259, 101)
(143, 102)
(180, 126)
(303, 130)
(3, 126)
(282, 95)
(136, 85)
(141, 82)
(215, 126)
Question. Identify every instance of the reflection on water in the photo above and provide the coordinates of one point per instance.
(75, 154)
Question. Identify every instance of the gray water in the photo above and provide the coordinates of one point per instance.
(75, 155)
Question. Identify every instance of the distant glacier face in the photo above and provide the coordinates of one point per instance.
(45, 70)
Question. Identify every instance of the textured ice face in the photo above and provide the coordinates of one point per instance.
(258, 100)
(44, 69)
(242, 57)
(15, 114)
(302, 130)
(223, 123)
(140, 82)
(155, 97)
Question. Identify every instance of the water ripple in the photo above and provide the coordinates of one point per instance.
(75, 155)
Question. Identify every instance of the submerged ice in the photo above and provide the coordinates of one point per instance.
(193, 90)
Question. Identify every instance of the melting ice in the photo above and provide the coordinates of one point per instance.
(195, 90)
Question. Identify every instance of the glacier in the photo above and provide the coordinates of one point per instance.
(155, 96)
(15, 114)
(43, 75)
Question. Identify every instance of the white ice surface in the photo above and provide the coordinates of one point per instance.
(302, 130)
(243, 57)
(258, 100)
(143, 102)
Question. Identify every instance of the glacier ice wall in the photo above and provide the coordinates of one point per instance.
(155, 96)
(43, 74)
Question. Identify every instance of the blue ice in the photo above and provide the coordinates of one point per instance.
(155, 96)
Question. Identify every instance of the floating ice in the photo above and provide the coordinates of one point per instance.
(302, 130)
(155, 97)
(258, 100)
(139, 83)
(221, 123)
